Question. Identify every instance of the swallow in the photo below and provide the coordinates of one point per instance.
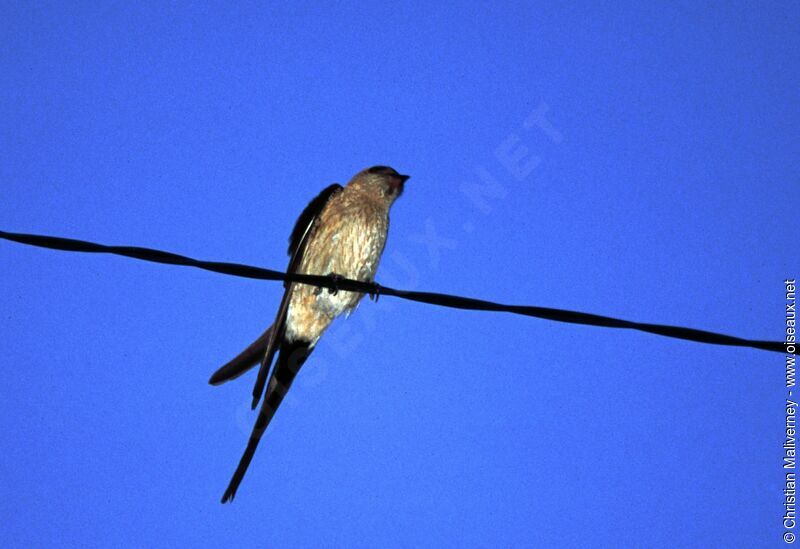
(342, 232)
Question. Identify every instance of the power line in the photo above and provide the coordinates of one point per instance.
(443, 300)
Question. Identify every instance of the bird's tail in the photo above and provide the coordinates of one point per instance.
(290, 359)
(243, 361)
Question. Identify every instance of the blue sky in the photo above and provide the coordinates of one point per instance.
(655, 179)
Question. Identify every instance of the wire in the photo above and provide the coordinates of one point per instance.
(443, 300)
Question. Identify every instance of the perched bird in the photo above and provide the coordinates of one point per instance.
(342, 232)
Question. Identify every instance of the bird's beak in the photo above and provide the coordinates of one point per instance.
(397, 182)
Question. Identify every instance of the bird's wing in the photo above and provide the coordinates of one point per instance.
(303, 224)
(297, 245)
(290, 359)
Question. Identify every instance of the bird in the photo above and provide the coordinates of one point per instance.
(342, 233)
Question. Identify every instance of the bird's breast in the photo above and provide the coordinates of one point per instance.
(348, 239)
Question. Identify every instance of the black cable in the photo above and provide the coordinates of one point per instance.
(443, 300)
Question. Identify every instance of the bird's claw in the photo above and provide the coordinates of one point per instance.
(336, 279)
(333, 291)
(375, 295)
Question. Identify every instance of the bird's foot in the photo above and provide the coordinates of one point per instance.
(374, 296)
(336, 279)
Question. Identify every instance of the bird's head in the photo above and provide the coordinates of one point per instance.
(384, 180)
